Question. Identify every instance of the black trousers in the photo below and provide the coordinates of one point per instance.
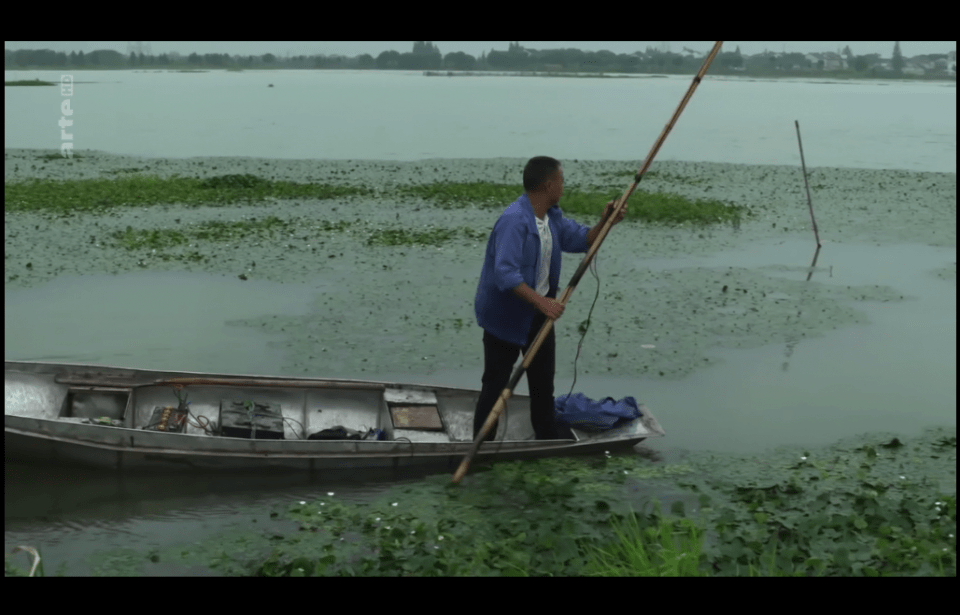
(498, 359)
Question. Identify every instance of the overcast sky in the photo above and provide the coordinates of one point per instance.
(353, 48)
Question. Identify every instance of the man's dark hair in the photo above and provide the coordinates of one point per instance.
(538, 170)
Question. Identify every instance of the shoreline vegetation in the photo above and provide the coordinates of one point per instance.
(754, 76)
(870, 506)
(518, 61)
(820, 76)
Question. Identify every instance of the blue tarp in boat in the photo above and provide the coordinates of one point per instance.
(581, 412)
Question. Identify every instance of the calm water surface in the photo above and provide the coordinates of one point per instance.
(896, 373)
(400, 115)
(175, 317)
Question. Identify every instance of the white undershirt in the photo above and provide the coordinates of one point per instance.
(546, 251)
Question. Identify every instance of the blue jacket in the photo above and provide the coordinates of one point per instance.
(513, 257)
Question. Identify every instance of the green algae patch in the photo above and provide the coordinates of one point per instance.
(457, 194)
(657, 208)
(660, 176)
(514, 519)
(429, 237)
(135, 239)
(687, 315)
(873, 505)
(650, 207)
(217, 231)
(28, 82)
(55, 157)
(98, 194)
(181, 243)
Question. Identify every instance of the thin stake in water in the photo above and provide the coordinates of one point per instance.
(816, 233)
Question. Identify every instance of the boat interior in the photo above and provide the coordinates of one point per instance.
(363, 410)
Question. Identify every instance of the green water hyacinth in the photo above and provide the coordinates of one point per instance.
(655, 207)
(140, 189)
(842, 511)
(430, 237)
(73, 196)
(216, 231)
(28, 82)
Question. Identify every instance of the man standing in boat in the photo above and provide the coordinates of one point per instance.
(518, 290)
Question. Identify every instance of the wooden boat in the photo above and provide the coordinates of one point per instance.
(133, 419)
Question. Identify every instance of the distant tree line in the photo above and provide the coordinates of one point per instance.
(45, 58)
(425, 55)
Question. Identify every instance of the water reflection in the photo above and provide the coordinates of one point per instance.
(792, 342)
(48, 494)
(151, 319)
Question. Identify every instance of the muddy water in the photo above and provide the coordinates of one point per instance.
(163, 318)
(731, 336)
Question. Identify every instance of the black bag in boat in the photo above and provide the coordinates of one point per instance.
(336, 433)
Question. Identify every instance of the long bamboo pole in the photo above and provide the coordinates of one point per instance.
(803, 164)
(619, 204)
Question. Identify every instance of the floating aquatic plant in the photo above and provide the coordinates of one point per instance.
(28, 82)
(657, 207)
(431, 237)
(218, 231)
(842, 511)
(73, 196)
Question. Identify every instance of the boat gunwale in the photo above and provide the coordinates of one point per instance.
(90, 435)
(416, 450)
(164, 375)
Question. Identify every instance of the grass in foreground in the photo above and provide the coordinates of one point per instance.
(869, 507)
(670, 549)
